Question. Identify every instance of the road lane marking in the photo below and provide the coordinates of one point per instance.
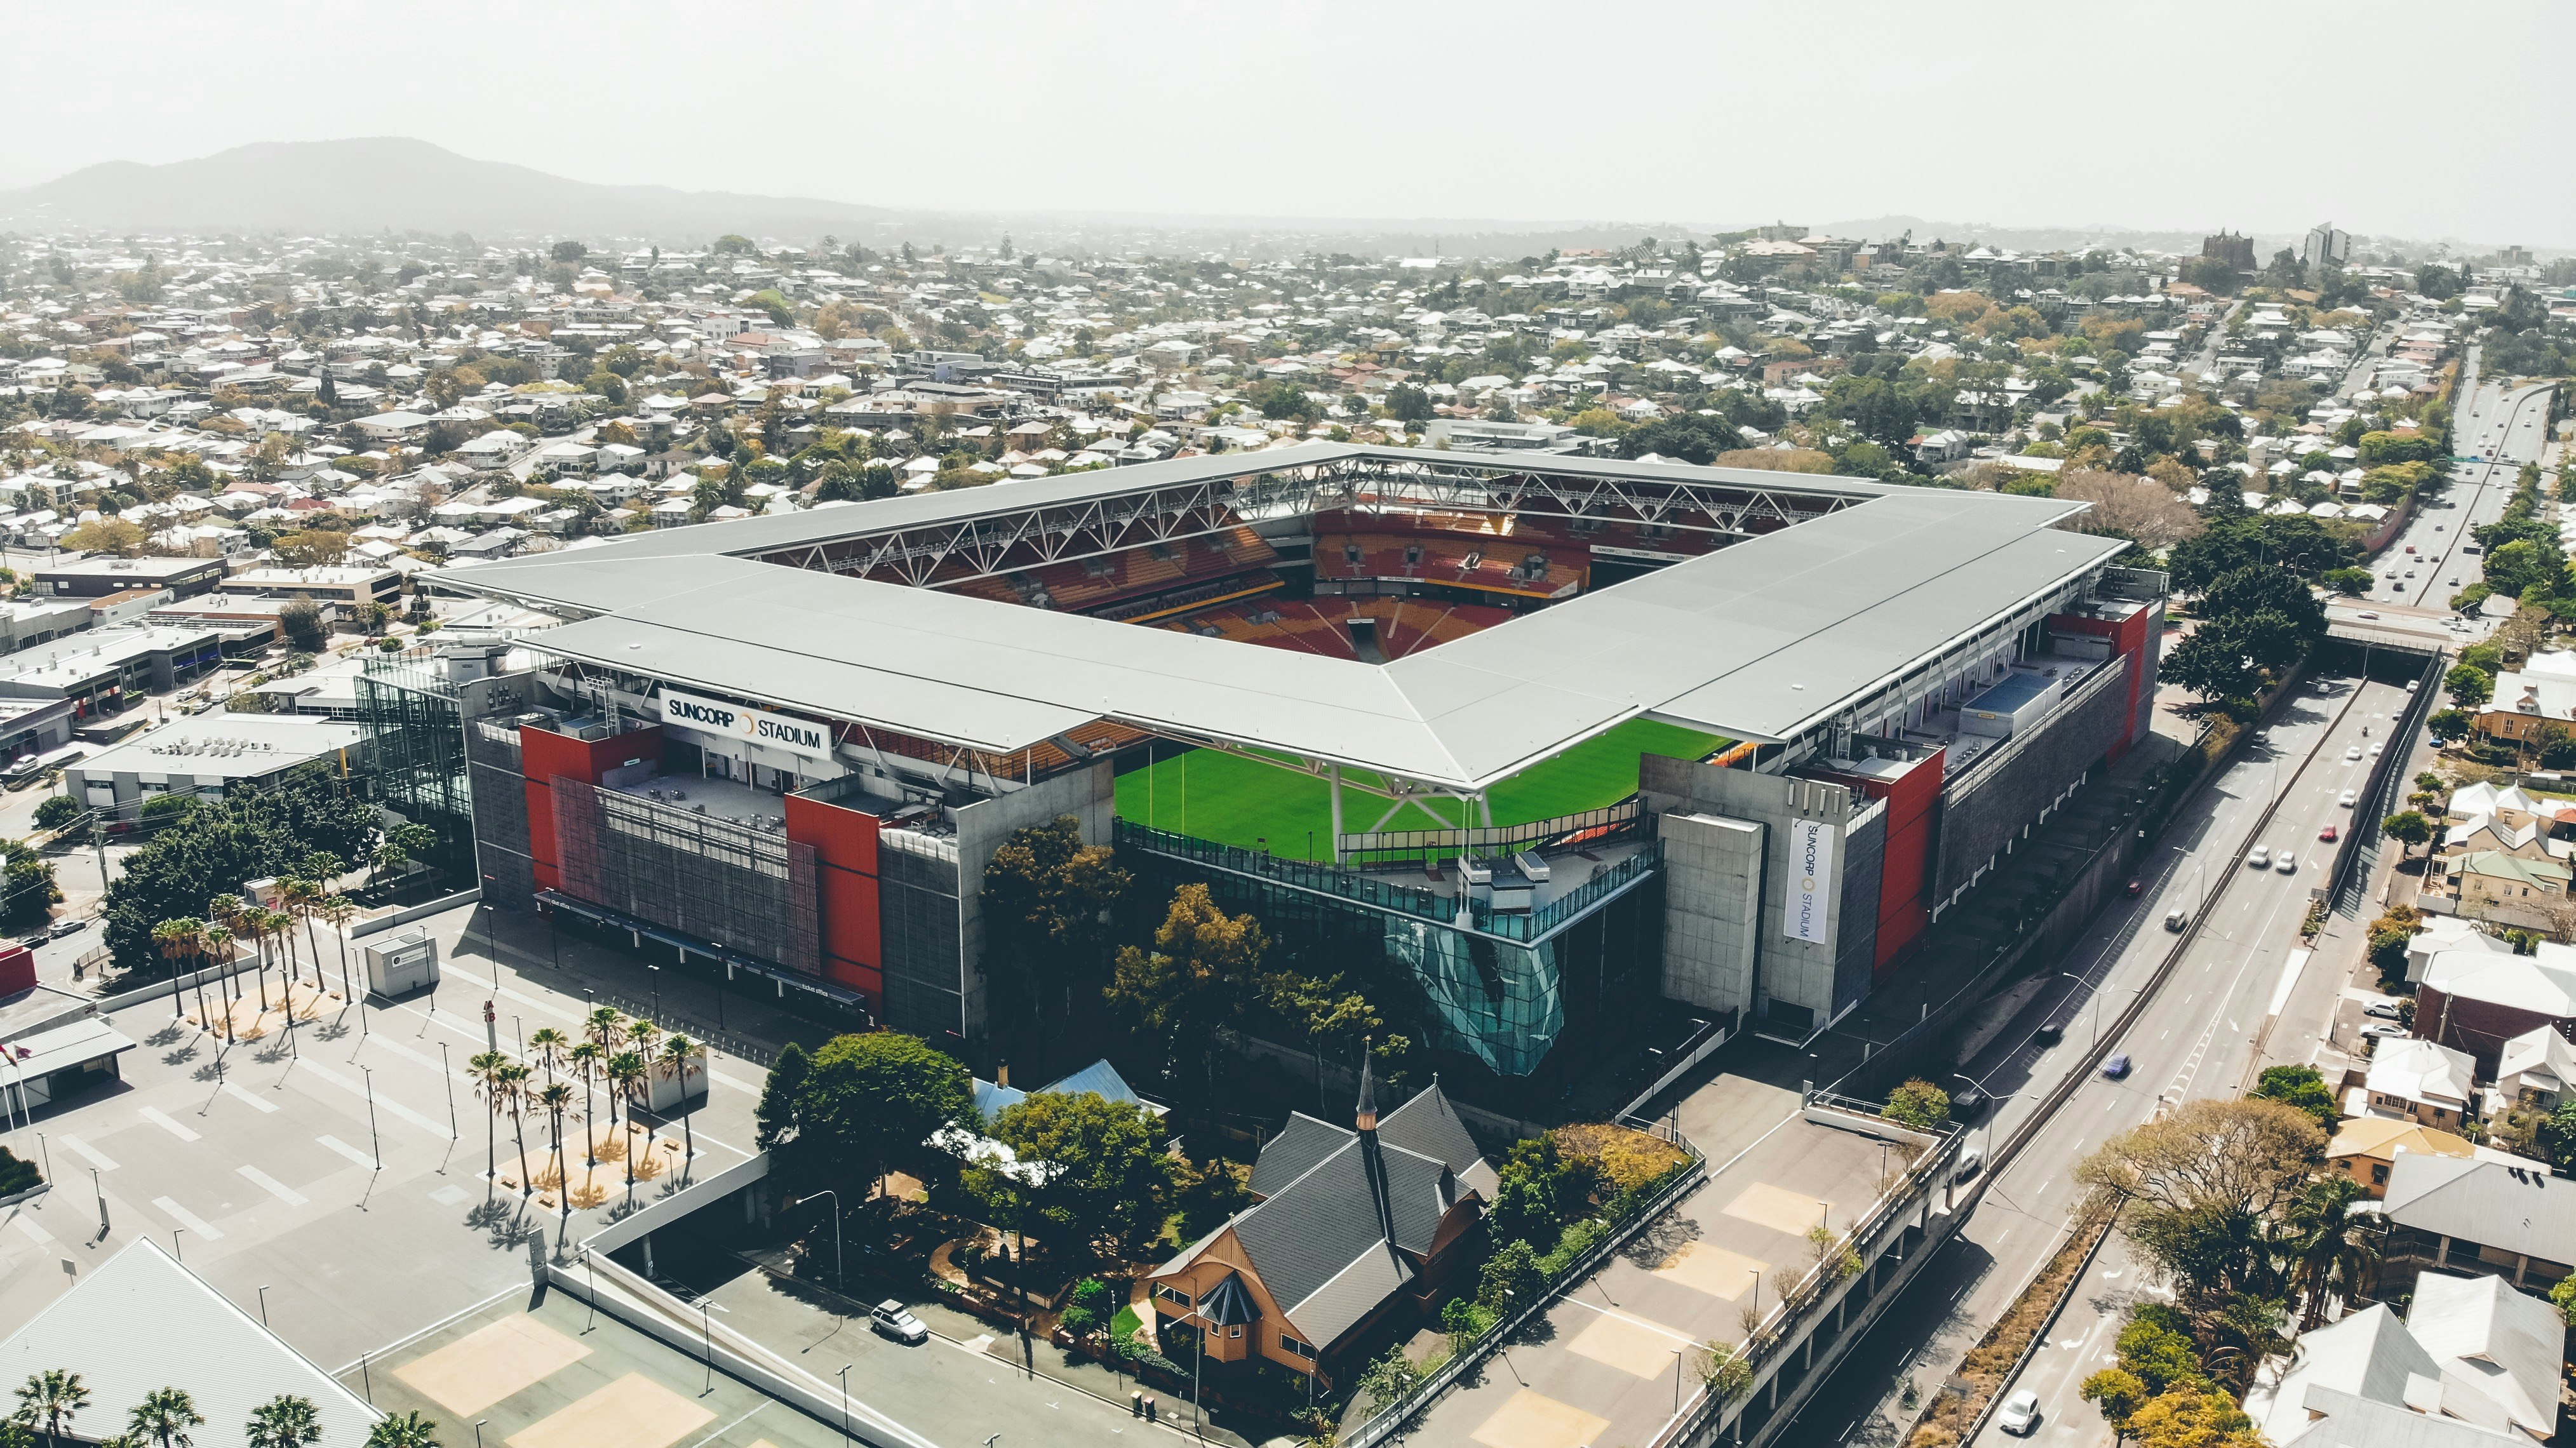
(160, 1119)
(97, 1158)
(35, 1234)
(185, 1218)
(247, 1098)
(272, 1186)
(351, 1152)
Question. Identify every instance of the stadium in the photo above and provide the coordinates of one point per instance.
(1546, 745)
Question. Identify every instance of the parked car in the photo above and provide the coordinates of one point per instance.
(73, 926)
(2385, 1010)
(2117, 1067)
(2382, 1030)
(893, 1319)
(2019, 1415)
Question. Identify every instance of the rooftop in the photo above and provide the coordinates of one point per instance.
(1759, 640)
(219, 744)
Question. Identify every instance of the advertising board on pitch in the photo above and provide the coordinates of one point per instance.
(785, 733)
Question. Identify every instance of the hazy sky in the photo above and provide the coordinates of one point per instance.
(2427, 121)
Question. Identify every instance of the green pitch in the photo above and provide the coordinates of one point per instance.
(1239, 801)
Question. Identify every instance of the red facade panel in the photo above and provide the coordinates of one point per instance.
(545, 756)
(2128, 638)
(844, 842)
(1905, 871)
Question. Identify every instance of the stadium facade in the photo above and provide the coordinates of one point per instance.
(791, 744)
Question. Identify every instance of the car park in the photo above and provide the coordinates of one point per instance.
(892, 1319)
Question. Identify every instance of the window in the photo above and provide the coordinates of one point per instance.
(1174, 1296)
(1235, 1331)
(1294, 1348)
(2379, 1176)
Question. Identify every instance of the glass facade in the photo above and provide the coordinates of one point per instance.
(415, 736)
(1579, 970)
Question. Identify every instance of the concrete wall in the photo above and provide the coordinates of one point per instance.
(1814, 979)
(1712, 906)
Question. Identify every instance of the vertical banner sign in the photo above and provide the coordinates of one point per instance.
(1811, 869)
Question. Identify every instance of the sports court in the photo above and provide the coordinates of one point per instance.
(1237, 801)
(555, 1376)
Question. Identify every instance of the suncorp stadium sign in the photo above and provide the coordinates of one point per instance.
(770, 731)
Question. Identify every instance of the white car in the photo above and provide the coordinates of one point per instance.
(2366, 613)
(2347, 799)
(2375, 747)
(2020, 1414)
(2261, 858)
(2352, 755)
(2383, 1030)
(2287, 861)
(892, 1319)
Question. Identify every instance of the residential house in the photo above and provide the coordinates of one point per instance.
(2440, 933)
(2492, 885)
(1349, 1224)
(2473, 1364)
(2536, 1069)
(2476, 1001)
(393, 427)
(2366, 1148)
(2502, 1218)
(2421, 1081)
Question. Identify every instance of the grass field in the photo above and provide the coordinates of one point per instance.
(1239, 801)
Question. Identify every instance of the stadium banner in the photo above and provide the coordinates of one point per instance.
(1811, 868)
(801, 737)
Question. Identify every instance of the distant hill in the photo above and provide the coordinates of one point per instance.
(380, 183)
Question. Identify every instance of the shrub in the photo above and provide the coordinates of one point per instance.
(1919, 1103)
(56, 812)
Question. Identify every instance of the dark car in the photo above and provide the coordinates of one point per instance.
(1967, 1103)
(2116, 1068)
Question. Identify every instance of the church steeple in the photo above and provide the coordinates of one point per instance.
(1368, 1094)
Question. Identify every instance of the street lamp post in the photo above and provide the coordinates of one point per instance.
(373, 1135)
(448, 1070)
(263, 1304)
(845, 1405)
(837, 1263)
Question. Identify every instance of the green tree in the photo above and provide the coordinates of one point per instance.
(165, 1415)
(868, 1104)
(2408, 827)
(2118, 1393)
(59, 810)
(1389, 1379)
(1048, 899)
(2302, 1087)
(302, 621)
(1918, 1103)
(2350, 582)
(1408, 403)
(1511, 1279)
(1107, 1178)
(2201, 1191)
(2468, 685)
(2556, 1136)
(1537, 1191)
(1197, 978)
(27, 889)
(774, 1120)
(404, 1430)
(54, 1396)
(285, 1421)
(569, 250)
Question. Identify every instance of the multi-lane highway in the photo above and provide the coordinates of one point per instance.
(2501, 428)
(2239, 982)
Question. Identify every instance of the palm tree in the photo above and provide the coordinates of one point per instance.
(281, 928)
(2327, 1256)
(486, 1067)
(165, 1415)
(555, 1098)
(674, 1063)
(404, 1430)
(644, 1034)
(584, 1061)
(226, 911)
(547, 1045)
(301, 896)
(215, 943)
(285, 1421)
(54, 1395)
(514, 1094)
(177, 940)
(605, 1028)
(337, 911)
(625, 1071)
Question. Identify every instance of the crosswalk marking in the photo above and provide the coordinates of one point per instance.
(248, 1098)
(159, 1118)
(185, 1218)
(97, 1158)
(351, 1152)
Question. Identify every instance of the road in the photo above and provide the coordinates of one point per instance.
(2502, 427)
(2197, 1036)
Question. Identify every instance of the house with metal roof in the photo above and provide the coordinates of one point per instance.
(1349, 1223)
(2472, 1364)
(2508, 1219)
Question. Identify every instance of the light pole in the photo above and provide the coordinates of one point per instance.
(845, 1405)
(836, 1229)
(445, 1068)
(373, 1135)
(478, 1431)
(174, 1245)
(1677, 1379)
(263, 1304)
(103, 1228)
(707, 1333)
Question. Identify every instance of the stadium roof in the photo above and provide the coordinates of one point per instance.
(1760, 640)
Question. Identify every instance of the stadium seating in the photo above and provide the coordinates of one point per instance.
(1322, 626)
